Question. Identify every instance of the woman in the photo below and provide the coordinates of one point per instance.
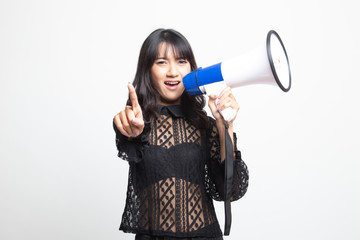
(175, 152)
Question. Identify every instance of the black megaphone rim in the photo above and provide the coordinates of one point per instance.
(268, 39)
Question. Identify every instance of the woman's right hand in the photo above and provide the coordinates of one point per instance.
(130, 121)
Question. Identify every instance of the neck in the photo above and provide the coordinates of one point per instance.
(169, 103)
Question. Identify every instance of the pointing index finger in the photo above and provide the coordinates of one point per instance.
(133, 98)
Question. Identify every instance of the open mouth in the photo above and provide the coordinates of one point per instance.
(172, 83)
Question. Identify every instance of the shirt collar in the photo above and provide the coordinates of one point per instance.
(175, 110)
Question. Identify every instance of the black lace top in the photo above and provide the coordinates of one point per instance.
(175, 171)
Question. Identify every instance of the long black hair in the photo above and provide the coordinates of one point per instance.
(147, 95)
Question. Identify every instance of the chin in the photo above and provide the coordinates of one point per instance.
(170, 101)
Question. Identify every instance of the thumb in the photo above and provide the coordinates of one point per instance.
(212, 96)
(211, 101)
(138, 122)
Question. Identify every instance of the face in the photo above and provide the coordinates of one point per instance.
(167, 73)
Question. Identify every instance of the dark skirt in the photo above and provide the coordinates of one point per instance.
(149, 237)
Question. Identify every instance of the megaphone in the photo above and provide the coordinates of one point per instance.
(265, 64)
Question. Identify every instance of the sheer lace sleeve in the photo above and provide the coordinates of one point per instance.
(132, 149)
(215, 169)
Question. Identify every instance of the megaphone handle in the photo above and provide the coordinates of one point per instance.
(228, 113)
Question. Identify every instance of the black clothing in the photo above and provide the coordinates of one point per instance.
(175, 171)
(149, 237)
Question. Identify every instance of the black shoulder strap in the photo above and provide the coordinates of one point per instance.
(229, 171)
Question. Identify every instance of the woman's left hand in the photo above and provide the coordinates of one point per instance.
(225, 99)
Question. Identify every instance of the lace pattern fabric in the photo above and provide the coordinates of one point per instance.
(175, 172)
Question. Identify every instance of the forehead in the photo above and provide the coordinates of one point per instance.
(168, 50)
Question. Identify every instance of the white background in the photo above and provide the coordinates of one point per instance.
(64, 66)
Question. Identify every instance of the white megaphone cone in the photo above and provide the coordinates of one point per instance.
(266, 64)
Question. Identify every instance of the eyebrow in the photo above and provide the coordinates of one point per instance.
(178, 58)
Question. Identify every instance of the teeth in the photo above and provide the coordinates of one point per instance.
(172, 83)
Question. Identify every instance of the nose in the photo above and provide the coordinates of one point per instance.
(173, 70)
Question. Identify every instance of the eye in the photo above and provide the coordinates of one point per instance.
(160, 62)
(183, 61)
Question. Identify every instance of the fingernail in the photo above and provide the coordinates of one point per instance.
(134, 121)
(221, 108)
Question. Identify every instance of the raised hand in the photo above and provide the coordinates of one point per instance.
(225, 99)
(130, 121)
